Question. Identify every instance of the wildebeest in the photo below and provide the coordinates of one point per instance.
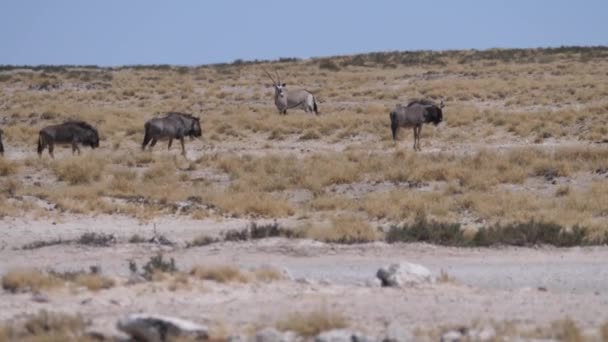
(70, 132)
(173, 125)
(415, 114)
(1, 146)
(298, 98)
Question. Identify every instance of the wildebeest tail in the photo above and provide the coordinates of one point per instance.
(394, 124)
(314, 106)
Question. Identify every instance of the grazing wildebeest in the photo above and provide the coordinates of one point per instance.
(173, 125)
(415, 114)
(69, 132)
(298, 98)
(1, 146)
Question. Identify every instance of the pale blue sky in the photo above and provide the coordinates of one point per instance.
(191, 32)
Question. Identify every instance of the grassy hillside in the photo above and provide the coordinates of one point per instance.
(523, 139)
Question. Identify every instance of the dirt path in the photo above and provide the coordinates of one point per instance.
(530, 285)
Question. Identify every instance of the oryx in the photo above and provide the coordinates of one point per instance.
(298, 98)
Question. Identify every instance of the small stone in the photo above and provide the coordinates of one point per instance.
(305, 281)
(40, 298)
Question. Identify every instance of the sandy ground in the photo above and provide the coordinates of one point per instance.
(532, 286)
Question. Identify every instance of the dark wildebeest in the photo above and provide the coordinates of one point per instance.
(173, 125)
(415, 114)
(298, 98)
(1, 146)
(69, 132)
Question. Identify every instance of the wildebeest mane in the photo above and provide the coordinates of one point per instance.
(187, 115)
(422, 102)
(81, 124)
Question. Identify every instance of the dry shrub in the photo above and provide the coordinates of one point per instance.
(344, 229)
(267, 274)
(159, 171)
(29, 280)
(7, 167)
(48, 327)
(9, 186)
(220, 273)
(444, 277)
(312, 323)
(123, 180)
(94, 282)
(566, 330)
(251, 203)
(76, 170)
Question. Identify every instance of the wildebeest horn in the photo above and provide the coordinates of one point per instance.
(268, 74)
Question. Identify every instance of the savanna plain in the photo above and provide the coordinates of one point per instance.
(282, 221)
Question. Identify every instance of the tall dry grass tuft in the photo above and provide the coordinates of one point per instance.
(29, 280)
(79, 170)
(344, 229)
(312, 323)
(220, 273)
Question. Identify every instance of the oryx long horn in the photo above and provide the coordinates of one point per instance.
(268, 74)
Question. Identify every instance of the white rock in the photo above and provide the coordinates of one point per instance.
(373, 282)
(451, 336)
(157, 328)
(404, 274)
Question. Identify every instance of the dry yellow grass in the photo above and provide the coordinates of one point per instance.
(220, 273)
(94, 282)
(312, 323)
(251, 160)
(79, 170)
(344, 229)
(29, 280)
(47, 327)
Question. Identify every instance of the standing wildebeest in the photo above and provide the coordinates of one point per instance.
(298, 98)
(415, 114)
(69, 132)
(173, 125)
(1, 146)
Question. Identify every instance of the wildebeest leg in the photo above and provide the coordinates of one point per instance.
(181, 140)
(75, 147)
(41, 145)
(153, 143)
(51, 149)
(415, 138)
(146, 141)
(394, 128)
(285, 112)
(418, 129)
(170, 142)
